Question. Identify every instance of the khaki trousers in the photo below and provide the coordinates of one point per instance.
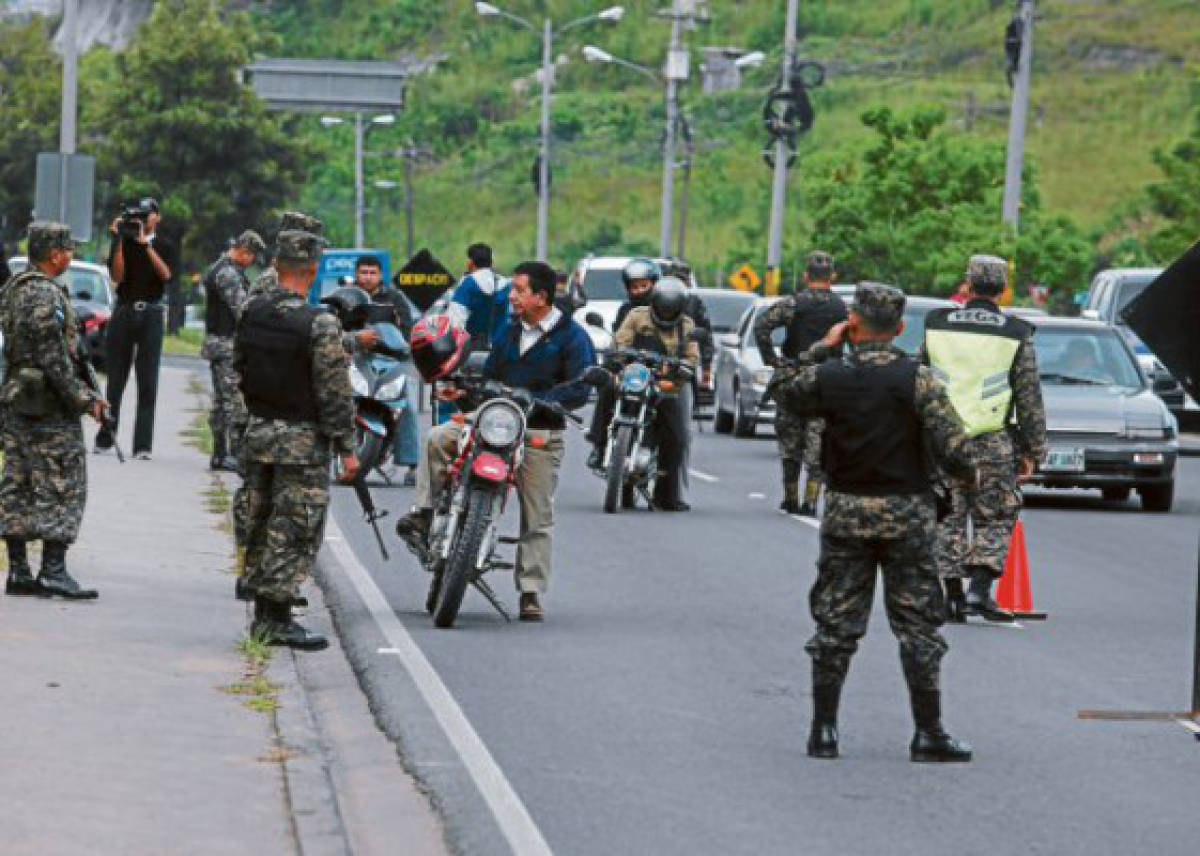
(537, 482)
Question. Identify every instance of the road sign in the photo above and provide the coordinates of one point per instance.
(81, 181)
(745, 278)
(326, 86)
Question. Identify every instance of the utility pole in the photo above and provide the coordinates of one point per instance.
(673, 72)
(66, 139)
(410, 152)
(543, 211)
(779, 183)
(689, 150)
(1016, 123)
(359, 204)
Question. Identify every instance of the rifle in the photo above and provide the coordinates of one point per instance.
(87, 373)
(370, 513)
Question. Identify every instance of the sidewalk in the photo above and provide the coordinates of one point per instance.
(120, 735)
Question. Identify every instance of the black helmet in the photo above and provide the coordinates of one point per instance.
(640, 269)
(349, 304)
(667, 302)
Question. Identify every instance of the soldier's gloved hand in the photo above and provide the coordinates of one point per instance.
(350, 467)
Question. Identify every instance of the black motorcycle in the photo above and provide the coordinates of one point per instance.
(629, 465)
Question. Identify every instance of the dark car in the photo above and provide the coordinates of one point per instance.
(92, 299)
(1105, 427)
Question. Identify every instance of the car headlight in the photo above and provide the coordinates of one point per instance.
(498, 425)
(358, 381)
(391, 390)
(762, 377)
(635, 378)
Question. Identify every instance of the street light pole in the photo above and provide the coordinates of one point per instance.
(779, 181)
(1015, 161)
(409, 153)
(543, 212)
(668, 186)
(359, 204)
(689, 149)
(66, 141)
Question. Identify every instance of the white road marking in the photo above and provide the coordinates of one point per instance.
(387, 650)
(756, 496)
(512, 817)
(704, 477)
(807, 521)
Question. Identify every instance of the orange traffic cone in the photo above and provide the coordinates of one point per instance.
(1013, 593)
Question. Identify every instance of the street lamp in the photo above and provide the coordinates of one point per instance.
(360, 132)
(612, 14)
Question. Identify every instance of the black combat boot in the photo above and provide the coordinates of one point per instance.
(979, 598)
(791, 498)
(274, 622)
(54, 579)
(20, 578)
(956, 604)
(823, 738)
(413, 530)
(931, 743)
(221, 459)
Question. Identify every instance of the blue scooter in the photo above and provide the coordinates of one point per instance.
(382, 398)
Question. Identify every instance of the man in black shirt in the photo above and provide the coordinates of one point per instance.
(141, 263)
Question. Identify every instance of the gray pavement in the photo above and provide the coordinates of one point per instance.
(118, 738)
(662, 708)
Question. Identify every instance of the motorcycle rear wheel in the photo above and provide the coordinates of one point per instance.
(615, 477)
(460, 567)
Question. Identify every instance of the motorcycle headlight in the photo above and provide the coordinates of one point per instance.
(635, 378)
(358, 381)
(499, 425)
(391, 390)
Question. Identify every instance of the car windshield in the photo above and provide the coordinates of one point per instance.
(1127, 290)
(1085, 357)
(725, 310)
(604, 284)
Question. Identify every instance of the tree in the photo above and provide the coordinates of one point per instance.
(177, 124)
(30, 87)
(1175, 198)
(918, 201)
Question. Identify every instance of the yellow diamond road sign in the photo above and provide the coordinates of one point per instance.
(745, 279)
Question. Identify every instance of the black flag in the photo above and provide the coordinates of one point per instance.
(1167, 317)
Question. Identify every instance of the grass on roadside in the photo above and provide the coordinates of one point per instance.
(185, 343)
(261, 695)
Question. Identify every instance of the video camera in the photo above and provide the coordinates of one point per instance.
(127, 223)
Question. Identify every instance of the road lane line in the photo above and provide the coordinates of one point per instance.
(704, 477)
(807, 521)
(512, 817)
(756, 496)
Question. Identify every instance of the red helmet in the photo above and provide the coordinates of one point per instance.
(438, 346)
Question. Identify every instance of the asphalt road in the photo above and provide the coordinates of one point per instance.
(662, 707)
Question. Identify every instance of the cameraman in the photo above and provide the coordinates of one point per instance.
(141, 263)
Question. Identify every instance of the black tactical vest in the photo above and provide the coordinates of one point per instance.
(874, 443)
(810, 324)
(219, 319)
(275, 348)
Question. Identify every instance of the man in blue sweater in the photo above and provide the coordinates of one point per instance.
(542, 350)
(480, 300)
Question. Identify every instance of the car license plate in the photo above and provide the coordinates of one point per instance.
(1064, 460)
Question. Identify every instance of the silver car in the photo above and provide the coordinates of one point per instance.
(1105, 427)
(741, 378)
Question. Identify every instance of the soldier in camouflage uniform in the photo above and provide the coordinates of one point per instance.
(296, 381)
(44, 487)
(806, 316)
(225, 287)
(988, 363)
(884, 412)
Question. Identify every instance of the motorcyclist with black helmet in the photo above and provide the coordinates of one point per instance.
(664, 327)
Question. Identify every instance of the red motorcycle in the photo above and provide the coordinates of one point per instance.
(464, 536)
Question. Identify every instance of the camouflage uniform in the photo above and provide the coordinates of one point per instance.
(895, 532)
(994, 505)
(799, 438)
(44, 486)
(227, 417)
(286, 490)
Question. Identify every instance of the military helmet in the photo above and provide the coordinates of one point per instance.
(349, 304)
(988, 275)
(880, 305)
(640, 269)
(668, 302)
(45, 236)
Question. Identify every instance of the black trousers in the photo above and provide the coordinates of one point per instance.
(134, 339)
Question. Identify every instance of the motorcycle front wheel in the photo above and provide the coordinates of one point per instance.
(615, 476)
(460, 567)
